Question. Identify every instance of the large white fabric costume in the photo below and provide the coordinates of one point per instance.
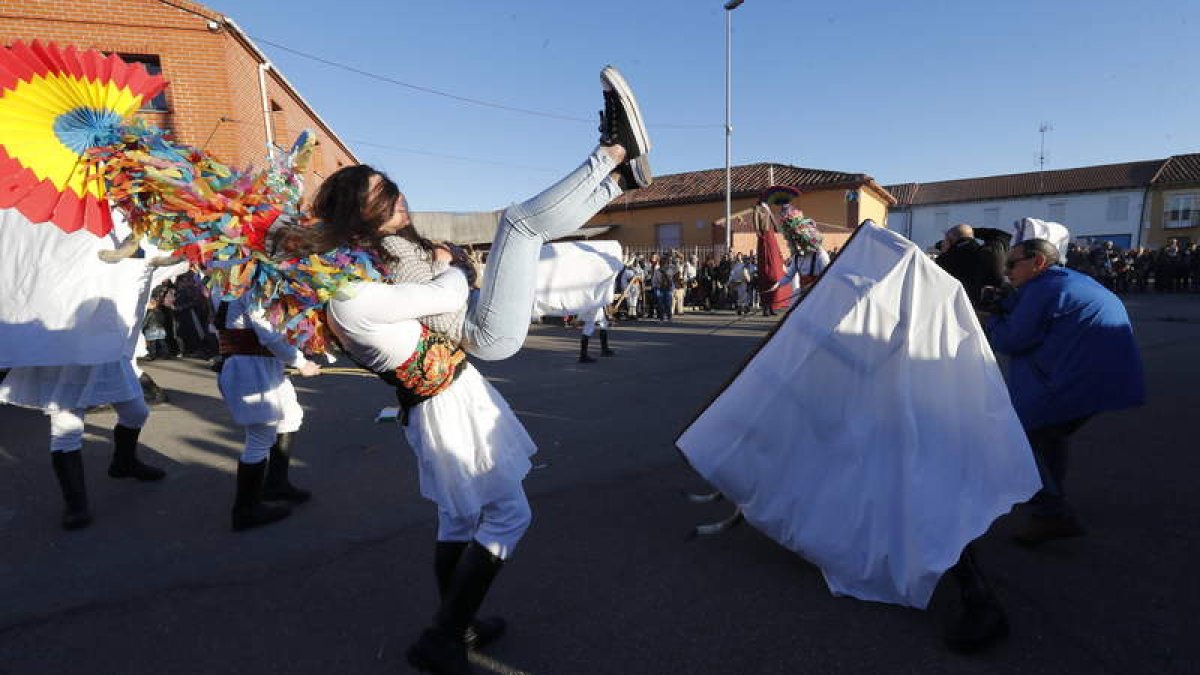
(576, 278)
(891, 440)
(70, 324)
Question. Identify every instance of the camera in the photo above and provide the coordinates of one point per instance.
(990, 297)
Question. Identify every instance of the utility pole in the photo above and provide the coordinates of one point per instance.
(729, 7)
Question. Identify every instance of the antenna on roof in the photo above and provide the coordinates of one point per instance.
(1042, 129)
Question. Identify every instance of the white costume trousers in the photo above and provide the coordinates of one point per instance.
(66, 426)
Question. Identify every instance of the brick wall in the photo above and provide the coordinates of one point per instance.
(212, 74)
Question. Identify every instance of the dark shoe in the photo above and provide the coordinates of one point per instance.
(277, 487)
(604, 350)
(151, 392)
(125, 463)
(1041, 530)
(979, 625)
(248, 508)
(621, 122)
(68, 468)
(439, 652)
(636, 173)
(583, 351)
(484, 631)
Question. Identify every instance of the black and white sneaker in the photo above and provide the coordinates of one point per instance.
(621, 122)
(635, 173)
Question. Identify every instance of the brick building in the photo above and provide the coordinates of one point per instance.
(224, 94)
(687, 210)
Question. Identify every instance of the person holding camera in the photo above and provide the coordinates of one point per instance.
(967, 260)
(1073, 355)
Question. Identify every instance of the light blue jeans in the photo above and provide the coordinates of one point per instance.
(498, 319)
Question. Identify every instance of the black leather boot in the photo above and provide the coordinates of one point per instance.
(440, 648)
(583, 351)
(277, 487)
(980, 622)
(125, 463)
(68, 467)
(481, 631)
(248, 508)
(604, 350)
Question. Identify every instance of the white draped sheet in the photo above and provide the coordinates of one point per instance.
(872, 433)
(60, 304)
(576, 277)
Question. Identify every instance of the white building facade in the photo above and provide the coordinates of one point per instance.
(1106, 202)
(1115, 215)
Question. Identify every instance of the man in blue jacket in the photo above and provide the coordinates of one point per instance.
(1073, 355)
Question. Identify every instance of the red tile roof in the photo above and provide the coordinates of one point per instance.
(1180, 169)
(706, 186)
(904, 193)
(1127, 175)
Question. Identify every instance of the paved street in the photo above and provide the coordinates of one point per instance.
(605, 581)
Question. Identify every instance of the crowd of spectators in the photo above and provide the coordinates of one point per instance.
(1172, 268)
(669, 282)
(177, 320)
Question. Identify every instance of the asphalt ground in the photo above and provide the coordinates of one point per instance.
(606, 580)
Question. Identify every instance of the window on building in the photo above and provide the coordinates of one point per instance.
(668, 235)
(152, 65)
(1057, 212)
(1118, 209)
(941, 221)
(1182, 211)
(991, 217)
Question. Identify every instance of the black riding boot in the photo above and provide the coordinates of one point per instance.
(68, 467)
(583, 351)
(125, 463)
(441, 648)
(248, 508)
(981, 621)
(481, 631)
(604, 350)
(277, 487)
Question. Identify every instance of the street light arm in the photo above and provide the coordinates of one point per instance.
(733, 4)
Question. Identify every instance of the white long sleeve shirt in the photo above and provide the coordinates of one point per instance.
(377, 321)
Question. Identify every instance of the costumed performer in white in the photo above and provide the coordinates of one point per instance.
(596, 318)
(471, 449)
(262, 400)
(66, 392)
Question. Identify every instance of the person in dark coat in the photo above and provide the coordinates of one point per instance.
(967, 260)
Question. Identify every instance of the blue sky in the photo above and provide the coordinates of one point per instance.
(903, 91)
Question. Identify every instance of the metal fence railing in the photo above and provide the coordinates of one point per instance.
(701, 252)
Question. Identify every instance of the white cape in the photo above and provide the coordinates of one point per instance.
(60, 304)
(872, 433)
(576, 277)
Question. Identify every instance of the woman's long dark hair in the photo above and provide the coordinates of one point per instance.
(350, 213)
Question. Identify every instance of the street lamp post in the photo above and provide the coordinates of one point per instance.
(729, 7)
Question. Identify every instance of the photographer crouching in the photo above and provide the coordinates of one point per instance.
(1073, 355)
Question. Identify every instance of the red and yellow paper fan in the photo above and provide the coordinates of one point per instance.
(55, 104)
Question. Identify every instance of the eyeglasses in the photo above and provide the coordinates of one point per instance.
(1009, 264)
